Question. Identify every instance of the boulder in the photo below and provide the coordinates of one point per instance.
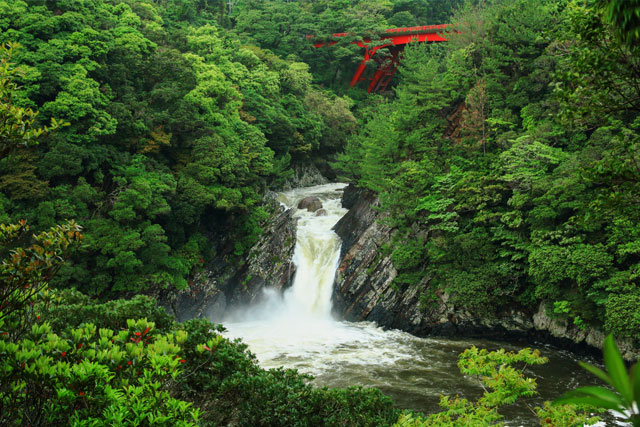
(322, 212)
(310, 203)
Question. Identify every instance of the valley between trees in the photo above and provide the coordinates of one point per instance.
(139, 138)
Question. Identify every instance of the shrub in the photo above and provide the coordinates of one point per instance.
(68, 309)
(94, 377)
(622, 316)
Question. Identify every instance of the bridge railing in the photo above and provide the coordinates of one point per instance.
(418, 30)
(390, 32)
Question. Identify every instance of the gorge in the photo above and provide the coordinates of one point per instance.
(301, 326)
(364, 289)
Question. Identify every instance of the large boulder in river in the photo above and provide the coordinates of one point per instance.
(311, 203)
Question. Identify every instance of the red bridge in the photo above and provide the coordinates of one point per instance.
(394, 39)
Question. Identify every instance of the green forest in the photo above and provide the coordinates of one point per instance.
(136, 134)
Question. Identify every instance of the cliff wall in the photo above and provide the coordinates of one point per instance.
(228, 281)
(365, 290)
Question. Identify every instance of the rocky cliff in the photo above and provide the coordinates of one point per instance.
(364, 290)
(229, 281)
(305, 175)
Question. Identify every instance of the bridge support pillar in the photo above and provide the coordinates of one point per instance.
(387, 67)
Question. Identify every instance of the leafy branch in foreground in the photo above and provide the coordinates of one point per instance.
(626, 397)
(93, 376)
(502, 377)
(624, 16)
(26, 271)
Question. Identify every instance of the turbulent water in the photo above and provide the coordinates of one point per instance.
(296, 330)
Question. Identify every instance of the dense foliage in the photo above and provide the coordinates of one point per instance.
(508, 163)
(174, 129)
(137, 134)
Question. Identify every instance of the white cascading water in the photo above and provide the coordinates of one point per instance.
(316, 255)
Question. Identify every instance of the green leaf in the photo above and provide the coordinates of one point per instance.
(586, 400)
(635, 386)
(618, 372)
(600, 393)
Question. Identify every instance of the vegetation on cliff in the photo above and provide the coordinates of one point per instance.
(508, 160)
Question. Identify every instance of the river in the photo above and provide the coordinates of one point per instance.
(296, 330)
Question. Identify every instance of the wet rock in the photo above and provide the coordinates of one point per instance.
(230, 280)
(561, 328)
(322, 212)
(311, 203)
(363, 285)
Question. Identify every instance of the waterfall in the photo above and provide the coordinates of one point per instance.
(296, 329)
(316, 254)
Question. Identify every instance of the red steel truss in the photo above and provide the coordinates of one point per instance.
(394, 39)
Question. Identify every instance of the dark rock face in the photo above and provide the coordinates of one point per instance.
(350, 196)
(189, 303)
(358, 220)
(269, 262)
(226, 283)
(364, 290)
(311, 203)
(306, 175)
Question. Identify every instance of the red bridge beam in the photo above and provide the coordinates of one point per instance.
(389, 33)
(392, 37)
